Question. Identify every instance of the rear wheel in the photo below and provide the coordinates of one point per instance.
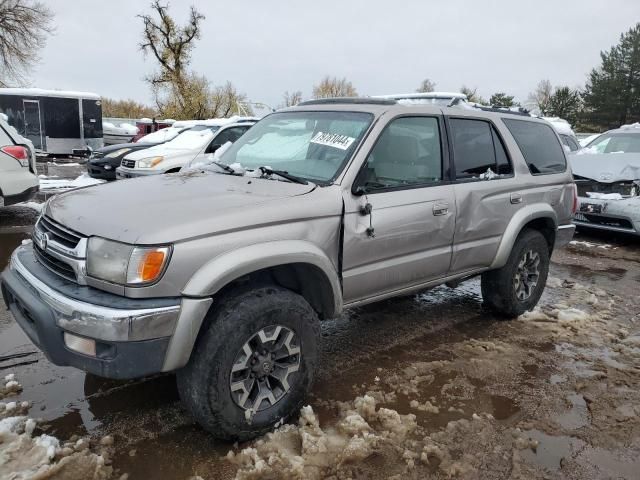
(516, 288)
(252, 367)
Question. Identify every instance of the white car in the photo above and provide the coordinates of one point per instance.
(202, 139)
(567, 136)
(18, 181)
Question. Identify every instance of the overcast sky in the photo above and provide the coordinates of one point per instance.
(382, 46)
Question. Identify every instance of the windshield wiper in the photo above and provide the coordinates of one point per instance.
(224, 167)
(283, 174)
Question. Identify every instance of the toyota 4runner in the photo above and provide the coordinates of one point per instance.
(222, 273)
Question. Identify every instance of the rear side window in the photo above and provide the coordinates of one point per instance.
(539, 146)
(478, 151)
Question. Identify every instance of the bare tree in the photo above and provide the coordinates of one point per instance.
(472, 94)
(170, 44)
(331, 87)
(24, 26)
(542, 95)
(126, 109)
(426, 86)
(291, 99)
(226, 101)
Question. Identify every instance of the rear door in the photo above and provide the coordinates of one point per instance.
(32, 122)
(485, 189)
(400, 213)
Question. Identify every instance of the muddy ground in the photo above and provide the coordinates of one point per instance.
(425, 386)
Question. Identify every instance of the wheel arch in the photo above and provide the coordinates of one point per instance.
(540, 217)
(294, 264)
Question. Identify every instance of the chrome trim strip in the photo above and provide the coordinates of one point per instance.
(564, 235)
(101, 323)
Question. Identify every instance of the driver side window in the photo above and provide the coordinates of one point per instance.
(408, 152)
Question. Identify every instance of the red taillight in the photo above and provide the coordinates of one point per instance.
(575, 199)
(16, 151)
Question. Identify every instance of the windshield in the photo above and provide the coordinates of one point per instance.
(310, 145)
(615, 143)
(162, 136)
(195, 137)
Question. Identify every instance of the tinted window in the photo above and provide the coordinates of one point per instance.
(407, 153)
(229, 135)
(477, 149)
(539, 146)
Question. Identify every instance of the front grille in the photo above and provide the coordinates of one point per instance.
(128, 163)
(56, 266)
(625, 189)
(603, 220)
(58, 233)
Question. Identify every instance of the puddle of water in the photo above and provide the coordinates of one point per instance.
(577, 416)
(551, 450)
(609, 464)
(557, 379)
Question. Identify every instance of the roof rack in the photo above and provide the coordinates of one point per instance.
(461, 103)
(348, 100)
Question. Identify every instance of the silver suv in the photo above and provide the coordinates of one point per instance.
(223, 273)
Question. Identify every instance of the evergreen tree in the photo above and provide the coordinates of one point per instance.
(565, 103)
(501, 99)
(612, 93)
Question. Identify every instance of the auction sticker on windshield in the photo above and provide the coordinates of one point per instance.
(333, 140)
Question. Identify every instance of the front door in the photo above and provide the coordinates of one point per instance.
(32, 124)
(405, 237)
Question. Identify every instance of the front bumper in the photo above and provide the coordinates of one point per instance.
(607, 214)
(131, 340)
(124, 172)
(98, 170)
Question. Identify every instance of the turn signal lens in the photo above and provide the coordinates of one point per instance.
(147, 264)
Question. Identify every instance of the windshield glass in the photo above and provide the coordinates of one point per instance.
(310, 145)
(615, 143)
(195, 137)
(162, 136)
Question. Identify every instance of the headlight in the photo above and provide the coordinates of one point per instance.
(124, 264)
(150, 162)
(117, 153)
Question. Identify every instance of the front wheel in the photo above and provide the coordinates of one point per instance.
(516, 288)
(252, 367)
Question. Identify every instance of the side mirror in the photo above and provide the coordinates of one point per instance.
(212, 148)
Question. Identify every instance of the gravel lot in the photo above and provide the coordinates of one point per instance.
(425, 386)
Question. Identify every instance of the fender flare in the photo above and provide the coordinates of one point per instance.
(517, 223)
(230, 266)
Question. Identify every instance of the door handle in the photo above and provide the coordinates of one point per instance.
(516, 198)
(440, 208)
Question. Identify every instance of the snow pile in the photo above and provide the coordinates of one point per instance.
(307, 451)
(604, 196)
(84, 180)
(25, 456)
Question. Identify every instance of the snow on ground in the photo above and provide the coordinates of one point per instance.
(591, 245)
(52, 183)
(27, 455)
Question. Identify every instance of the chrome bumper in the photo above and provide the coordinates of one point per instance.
(97, 322)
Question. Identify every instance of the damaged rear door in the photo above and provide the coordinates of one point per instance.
(400, 212)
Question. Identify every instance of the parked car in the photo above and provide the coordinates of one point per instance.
(170, 157)
(117, 134)
(223, 273)
(104, 161)
(18, 179)
(566, 133)
(607, 173)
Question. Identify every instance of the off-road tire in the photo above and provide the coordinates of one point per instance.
(498, 288)
(204, 384)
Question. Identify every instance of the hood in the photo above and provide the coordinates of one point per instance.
(607, 167)
(169, 208)
(161, 149)
(134, 146)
